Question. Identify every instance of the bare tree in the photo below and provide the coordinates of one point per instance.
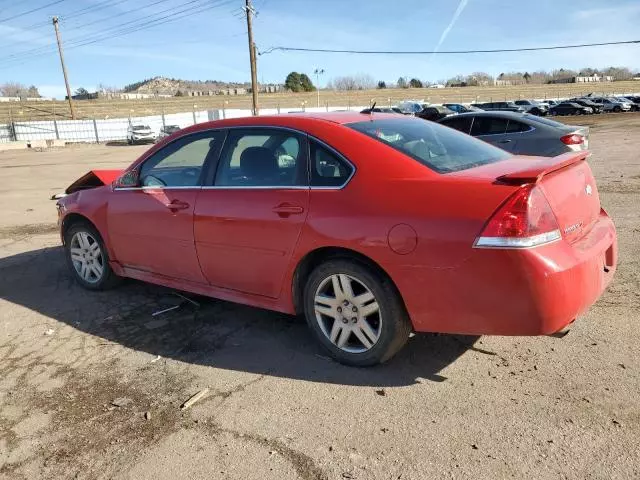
(15, 89)
(361, 81)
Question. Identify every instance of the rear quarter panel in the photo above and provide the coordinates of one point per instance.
(446, 212)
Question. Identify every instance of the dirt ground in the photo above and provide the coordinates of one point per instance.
(91, 384)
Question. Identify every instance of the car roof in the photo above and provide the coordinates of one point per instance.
(496, 113)
(291, 119)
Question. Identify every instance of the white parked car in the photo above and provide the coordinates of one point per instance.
(140, 133)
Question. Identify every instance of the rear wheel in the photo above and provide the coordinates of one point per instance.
(617, 109)
(88, 259)
(355, 313)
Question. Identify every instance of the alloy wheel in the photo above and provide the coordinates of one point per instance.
(348, 313)
(87, 257)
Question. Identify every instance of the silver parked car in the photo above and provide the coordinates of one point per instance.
(521, 133)
(534, 107)
(167, 130)
(611, 104)
(140, 133)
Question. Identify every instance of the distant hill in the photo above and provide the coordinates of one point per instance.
(162, 85)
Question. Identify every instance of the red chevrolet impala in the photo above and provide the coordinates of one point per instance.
(370, 225)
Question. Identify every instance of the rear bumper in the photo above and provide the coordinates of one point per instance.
(536, 291)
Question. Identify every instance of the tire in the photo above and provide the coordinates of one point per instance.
(617, 109)
(129, 141)
(96, 258)
(386, 328)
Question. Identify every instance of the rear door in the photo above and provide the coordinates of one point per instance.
(493, 130)
(248, 218)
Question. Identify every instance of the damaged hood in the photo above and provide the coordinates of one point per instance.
(93, 179)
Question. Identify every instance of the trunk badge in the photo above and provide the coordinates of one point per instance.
(588, 190)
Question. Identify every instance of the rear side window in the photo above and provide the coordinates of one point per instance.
(441, 149)
(327, 168)
(484, 125)
(517, 127)
(462, 124)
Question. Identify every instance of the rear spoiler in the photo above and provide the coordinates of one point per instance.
(534, 173)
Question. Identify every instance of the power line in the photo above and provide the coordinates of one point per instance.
(30, 11)
(80, 42)
(443, 52)
(45, 49)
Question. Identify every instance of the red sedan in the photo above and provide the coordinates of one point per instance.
(370, 225)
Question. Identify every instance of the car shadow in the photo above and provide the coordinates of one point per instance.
(205, 331)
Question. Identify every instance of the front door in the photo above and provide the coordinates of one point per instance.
(248, 221)
(151, 225)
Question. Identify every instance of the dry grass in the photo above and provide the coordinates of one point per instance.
(287, 101)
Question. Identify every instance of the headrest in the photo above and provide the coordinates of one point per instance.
(259, 163)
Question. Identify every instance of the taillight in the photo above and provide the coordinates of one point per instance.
(572, 139)
(524, 220)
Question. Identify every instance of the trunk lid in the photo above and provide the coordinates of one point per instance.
(566, 181)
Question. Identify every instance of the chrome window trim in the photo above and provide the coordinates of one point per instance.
(195, 187)
(236, 187)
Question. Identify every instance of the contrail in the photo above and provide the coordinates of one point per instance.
(454, 19)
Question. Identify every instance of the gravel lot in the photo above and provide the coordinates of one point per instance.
(91, 384)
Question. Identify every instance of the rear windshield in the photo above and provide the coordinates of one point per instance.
(440, 148)
(546, 121)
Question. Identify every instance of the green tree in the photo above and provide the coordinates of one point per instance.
(293, 82)
(82, 91)
(415, 83)
(402, 83)
(306, 84)
(382, 84)
(526, 77)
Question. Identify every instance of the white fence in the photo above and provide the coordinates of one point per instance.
(95, 130)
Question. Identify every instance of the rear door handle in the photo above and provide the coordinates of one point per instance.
(504, 141)
(176, 205)
(285, 209)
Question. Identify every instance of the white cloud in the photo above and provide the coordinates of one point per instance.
(454, 19)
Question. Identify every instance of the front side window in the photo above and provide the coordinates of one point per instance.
(180, 163)
(262, 158)
(439, 148)
(327, 168)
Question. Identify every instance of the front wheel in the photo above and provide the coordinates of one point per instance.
(355, 313)
(617, 109)
(88, 259)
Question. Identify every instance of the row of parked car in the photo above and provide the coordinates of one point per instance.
(586, 105)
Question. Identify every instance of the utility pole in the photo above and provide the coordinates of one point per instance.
(64, 69)
(252, 57)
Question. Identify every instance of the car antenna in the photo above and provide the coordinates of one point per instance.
(371, 109)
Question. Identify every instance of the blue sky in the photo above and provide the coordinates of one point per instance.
(212, 43)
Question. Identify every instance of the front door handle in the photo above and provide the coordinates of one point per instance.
(176, 205)
(286, 209)
(504, 141)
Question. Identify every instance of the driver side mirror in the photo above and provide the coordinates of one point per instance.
(129, 180)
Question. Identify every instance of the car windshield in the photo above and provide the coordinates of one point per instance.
(439, 148)
(141, 127)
